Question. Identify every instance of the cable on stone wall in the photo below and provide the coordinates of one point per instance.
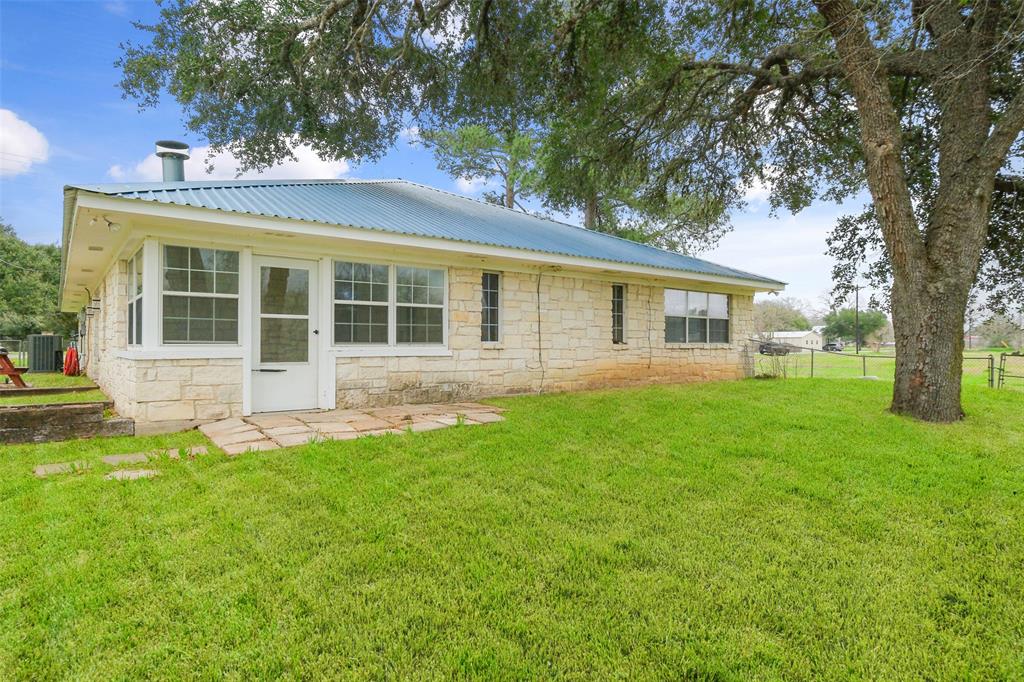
(540, 345)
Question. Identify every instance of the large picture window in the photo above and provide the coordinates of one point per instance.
(370, 299)
(200, 295)
(696, 317)
(134, 316)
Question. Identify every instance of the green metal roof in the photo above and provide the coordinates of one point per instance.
(408, 208)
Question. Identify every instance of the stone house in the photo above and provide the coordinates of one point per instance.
(203, 300)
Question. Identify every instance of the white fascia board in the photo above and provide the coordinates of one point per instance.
(360, 234)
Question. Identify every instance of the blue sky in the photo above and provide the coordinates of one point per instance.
(63, 121)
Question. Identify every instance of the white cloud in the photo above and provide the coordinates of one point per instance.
(21, 145)
(306, 165)
(118, 7)
(788, 247)
(473, 186)
(758, 192)
(449, 32)
(411, 135)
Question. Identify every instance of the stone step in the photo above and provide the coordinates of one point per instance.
(131, 474)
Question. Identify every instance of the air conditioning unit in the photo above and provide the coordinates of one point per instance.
(45, 353)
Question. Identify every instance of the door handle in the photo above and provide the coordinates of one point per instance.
(316, 331)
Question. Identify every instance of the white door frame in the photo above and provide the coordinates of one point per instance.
(307, 393)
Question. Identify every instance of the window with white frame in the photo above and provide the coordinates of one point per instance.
(696, 317)
(388, 304)
(200, 295)
(618, 313)
(361, 295)
(490, 314)
(135, 299)
(419, 309)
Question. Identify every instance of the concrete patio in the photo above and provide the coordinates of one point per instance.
(285, 429)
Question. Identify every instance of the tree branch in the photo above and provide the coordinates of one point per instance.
(1010, 184)
(1005, 132)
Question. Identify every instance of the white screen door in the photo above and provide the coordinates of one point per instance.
(284, 373)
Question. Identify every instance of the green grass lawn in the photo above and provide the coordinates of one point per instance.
(748, 530)
(94, 396)
(52, 380)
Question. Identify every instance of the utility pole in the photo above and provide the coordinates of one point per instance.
(856, 317)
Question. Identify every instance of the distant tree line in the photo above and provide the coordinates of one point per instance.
(29, 283)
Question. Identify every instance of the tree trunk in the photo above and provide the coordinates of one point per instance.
(929, 354)
(590, 212)
(510, 194)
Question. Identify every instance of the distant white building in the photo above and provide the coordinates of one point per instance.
(809, 340)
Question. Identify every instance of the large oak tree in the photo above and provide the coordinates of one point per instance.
(920, 102)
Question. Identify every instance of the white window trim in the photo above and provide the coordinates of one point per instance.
(686, 324)
(135, 297)
(392, 347)
(207, 347)
(501, 308)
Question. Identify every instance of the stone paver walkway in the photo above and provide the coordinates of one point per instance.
(190, 452)
(272, 431)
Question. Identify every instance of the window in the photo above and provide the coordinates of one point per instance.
(135, 299)
(490, 313)
(419, 310)
(696, 317)
(200, 295)
(618, 313)
(361, 303)
(368, 296)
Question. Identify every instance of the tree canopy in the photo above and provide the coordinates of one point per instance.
(845, 323)
(474, 151)
(777, 315)
(29, 279)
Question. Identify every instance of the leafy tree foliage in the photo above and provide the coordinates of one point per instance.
(843, 324)
(1002, 331)
(473, 151)
(777, 315)
(29, 281)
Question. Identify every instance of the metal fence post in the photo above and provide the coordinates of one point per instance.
(812, 363)
(991, 370)
(864, 362)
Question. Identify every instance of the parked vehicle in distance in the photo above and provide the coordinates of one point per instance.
(769, 348)
(834, 346)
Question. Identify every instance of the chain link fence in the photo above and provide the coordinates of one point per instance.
(17, 350)
(775, 359)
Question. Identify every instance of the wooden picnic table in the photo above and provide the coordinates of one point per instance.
(8, 369)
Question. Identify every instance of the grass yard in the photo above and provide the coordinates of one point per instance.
(749, 530)
(9, 397)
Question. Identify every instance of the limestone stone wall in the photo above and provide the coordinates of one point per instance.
(167, 390)
(106, 334)
(186, 390)
(568, 347)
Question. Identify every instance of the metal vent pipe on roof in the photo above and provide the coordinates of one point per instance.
(174, 155)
